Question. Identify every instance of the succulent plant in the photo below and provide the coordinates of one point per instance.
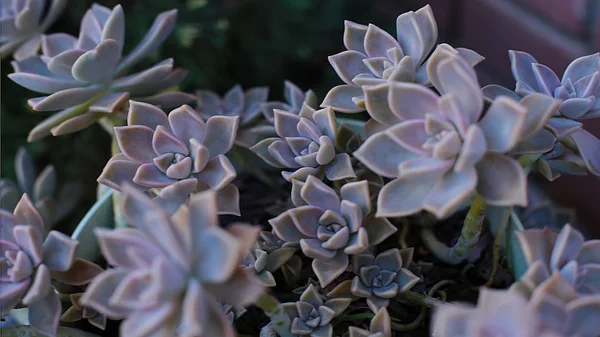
(306, 143)
(77, 312)
(295, 98)
(180, 153)
(567, 253)
(380, 326)
(329, 229)
(578, 90)
(379, 278)
(311, 316)
(51, 205)
(23, 22)
(263, 264)
(174, 269)
(236, 102)
(84, 76)
(28, 264)
(374, 57)
(444, 148)
(498, 313)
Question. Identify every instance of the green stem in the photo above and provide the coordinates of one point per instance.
(469, 235)
(280, 321)
(417, 299)
(497, 246)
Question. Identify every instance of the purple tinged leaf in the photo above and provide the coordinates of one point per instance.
(521, 66)
(146, 322)
(411, 101)
(340, 98)
(118, 171)
(339, 168)
(40, 288)
(145, 81)
(450, 192)
(76, 123)
(503, 124)
(502, 181)
(42, 84)
(187, 125)
(539, 109)
(383, 154)
(217, 173)
(261, 149)
(566, 248)
(285, 228)
(100, 291)
(120, 246)
(114, 28)
(587, 85)
(195, 309)
(164, 141)
(147, 115)
(219, 252)
(377, 230)
(348, 64)
(135, 141)
(66, 98)
(547, 80)
(541, 142)
(410, 135)
(81, 273)
(492, 91)
(562, 127)
(59, 251)
(580, 310)
(161, 28)
(378, 42)
(376, 103)
(221, 132)
(589, 148)
(45, 184)
(21, 268)
(316, 193)
(98, 64)
(358, 193)
(417, 33)
(110, 103)
(55, 44)
(149, 175)
(581, 67)
(62, 63)
(26, 214)
(44, 315)
(404, 71)
(576, 107)
(354, 36)
(327, 270)
(25, 172)
(29, 240)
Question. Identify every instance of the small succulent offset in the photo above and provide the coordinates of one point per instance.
(380, 326)
(180, 153)
(28, 265)
(84, 76)
(311, 316)
(263, 264)
(577, 261)
(77, 312)
(374, 58)
(444, 148)
(23, 22)
(51, 205)
(295, 98)
(498, 313)
(269, 242)
(306, 143)
(175, 271)
(380, 278)
(329, 229)
(579, 90)
(236, 102)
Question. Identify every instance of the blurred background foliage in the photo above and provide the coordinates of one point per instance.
(220, 42)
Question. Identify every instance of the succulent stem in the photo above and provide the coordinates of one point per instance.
(469, 235)
(280, 321)
(417, 299)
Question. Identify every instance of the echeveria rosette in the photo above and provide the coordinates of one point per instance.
(85, 77)
(180, 153)
(295, 98)
(23, 22)
(566, 253)
(236, 102)
(578, 89)
(52, 202)
(382, 277)
(29, 263)
(498, 313)
(374, 57)
(380, 326)
(311, 315)
(175, 271)
(444, 148)
(330, 228)
(306, 143)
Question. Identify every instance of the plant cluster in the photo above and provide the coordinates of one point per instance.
(333, 258)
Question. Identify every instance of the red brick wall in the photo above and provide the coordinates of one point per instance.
(554, 31)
